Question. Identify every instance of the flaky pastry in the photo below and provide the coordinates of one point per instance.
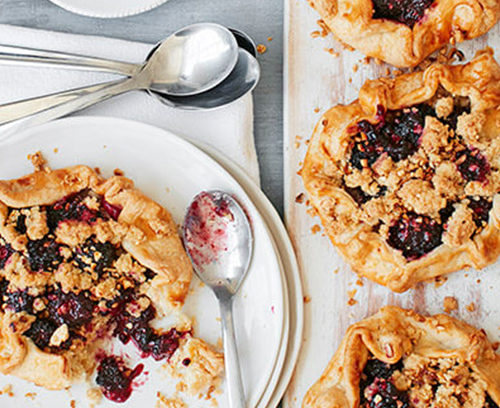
(397, 358)
(406, 179)
(83, 258)
(404, 32)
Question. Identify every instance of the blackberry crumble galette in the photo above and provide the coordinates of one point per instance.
(399, 359)
(406, 179)
(404, 32)
(84, 259)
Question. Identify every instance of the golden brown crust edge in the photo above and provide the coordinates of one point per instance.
(445, 21)
(365, 251)
(160, 249)
(391, 334)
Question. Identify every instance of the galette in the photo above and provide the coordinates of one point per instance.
(399, 359)
(404, 32)
(84, 259)
(406, 179)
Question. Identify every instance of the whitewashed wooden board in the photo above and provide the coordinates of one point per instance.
(314, 79)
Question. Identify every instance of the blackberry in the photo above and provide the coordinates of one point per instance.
(408, 12)
(41, 331)
(43, 255)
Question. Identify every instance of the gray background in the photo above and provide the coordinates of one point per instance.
(259, 18)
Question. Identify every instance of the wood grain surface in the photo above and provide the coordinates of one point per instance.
(314, 81)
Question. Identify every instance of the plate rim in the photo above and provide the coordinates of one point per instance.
(101, 14)
(28, 133)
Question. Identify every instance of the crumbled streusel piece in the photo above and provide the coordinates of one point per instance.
(444, 107)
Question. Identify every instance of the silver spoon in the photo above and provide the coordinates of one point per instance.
(219, 241)
(192, 60)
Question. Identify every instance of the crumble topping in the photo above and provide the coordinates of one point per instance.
(423, 382)
(68, 283)
(420, 176)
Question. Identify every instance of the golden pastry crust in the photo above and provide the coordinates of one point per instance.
(445, 21)
(420, 181)
(144, 229)
(396, 334)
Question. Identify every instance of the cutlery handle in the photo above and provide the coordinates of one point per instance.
(30, 56)
(42, 109)
(231, 359)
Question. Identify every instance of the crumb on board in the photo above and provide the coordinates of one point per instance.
(440, 281)
(450, 304)
(30, 395)
(315, 34)
(94, 395)
(360, 282)
(300, 198)
(336, 271)
(118, 172)
(350, 80)
(269, 38)
(478, 281)
(163, 402)
(307, 299)
(261, 48)
(315, 229)
(351, 293)
(56, 150)
(104, 146)
(316, 110)
(97, 170)
(324, 28)
(72, 404)
(332, 52)
(355, 67)
(7, 390)
(471, 307)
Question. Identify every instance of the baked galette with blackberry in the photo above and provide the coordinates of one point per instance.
(406, 179)
(399, 359)
(404, 32)
(83, 259)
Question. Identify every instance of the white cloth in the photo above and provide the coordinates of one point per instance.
(228, 129)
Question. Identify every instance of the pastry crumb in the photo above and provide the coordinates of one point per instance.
(163, 402)
(351, 294)
(118, 172)
(300, 198)
(471, 307)
(56, 150)
(307, 299)
(261, 48)
(324, 28)
(94, 395)
(72, 404)
(440, 281)
(7, 390)
(450, 304)
(269, 38)
(30, 395)
(315, 229)
(38, 161)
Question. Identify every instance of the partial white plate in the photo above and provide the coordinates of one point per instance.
(290, 268)
(171, 171)
(108, 8)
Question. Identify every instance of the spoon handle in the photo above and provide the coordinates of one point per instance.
(43, 109)
(231, 359)
(30, 56)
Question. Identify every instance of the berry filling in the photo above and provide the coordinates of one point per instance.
(149, 341)
(377, 388)
(43, 255)
(472, 165)
(96, 256)
(408, 12)
(481, 208)
(75, 310)
(489, 403)
(415, 235)
(5, 252)
(40, 331)
(397, 133)
(115, 378)
(19, 301)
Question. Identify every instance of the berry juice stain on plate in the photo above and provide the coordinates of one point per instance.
(207, 230)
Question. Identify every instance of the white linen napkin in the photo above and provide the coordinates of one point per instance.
(228, 129)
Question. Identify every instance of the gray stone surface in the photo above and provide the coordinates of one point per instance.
(259, 18)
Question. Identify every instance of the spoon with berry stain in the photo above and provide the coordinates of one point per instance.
(219, 242)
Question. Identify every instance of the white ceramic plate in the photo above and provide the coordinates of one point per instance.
(171, 171)
(108, 8)
(290, 269)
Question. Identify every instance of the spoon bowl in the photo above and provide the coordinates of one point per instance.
(192, 60)
(219, 241)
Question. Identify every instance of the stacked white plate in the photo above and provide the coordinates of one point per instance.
(108, 8)
(268, 310)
